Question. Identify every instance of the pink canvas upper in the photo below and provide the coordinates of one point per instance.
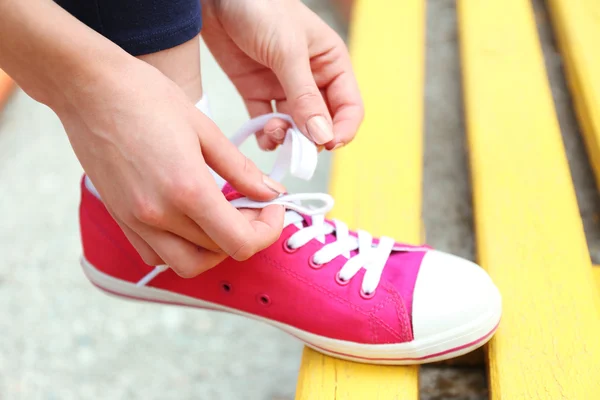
(277, 284)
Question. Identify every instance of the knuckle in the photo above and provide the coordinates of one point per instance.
(147, 212)
(184, 192)
(340, 46)
(308, 94)
(360, 113)
(338, 49)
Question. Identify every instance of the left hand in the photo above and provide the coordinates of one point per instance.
(280, 50)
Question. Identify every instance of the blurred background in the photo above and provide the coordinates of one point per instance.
(60, 338)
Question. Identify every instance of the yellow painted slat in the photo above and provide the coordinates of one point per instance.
(577, 28)
(596, 270)
(377, 179)
(528, 229)
(325, 378)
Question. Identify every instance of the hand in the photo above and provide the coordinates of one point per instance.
(142, 143)
(146, 148)
(280, 50)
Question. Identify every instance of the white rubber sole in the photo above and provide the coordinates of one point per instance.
(445, 345)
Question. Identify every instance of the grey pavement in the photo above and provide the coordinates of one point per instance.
(60, 338)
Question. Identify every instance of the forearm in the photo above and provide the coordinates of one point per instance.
(50, 54)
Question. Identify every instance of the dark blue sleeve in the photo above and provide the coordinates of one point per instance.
(139, 26)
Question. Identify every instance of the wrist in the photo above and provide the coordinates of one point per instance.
(81, 77)
(50, 54)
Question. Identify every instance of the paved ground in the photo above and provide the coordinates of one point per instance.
(62, 339)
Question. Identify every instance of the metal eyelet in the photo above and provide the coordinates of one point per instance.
(313, 264)
(263, 299)
(340, 281)
(226, 287)
(367, 296)
(288, 249)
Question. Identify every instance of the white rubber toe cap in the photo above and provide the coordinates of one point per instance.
(452, 294)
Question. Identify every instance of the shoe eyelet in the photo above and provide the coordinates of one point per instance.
(313, 264)
(367, 296)
(340, 281)
(263, 299)
(226, 287)
(288, 249)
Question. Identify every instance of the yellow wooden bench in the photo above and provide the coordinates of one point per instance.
(387, 46)
(529, 234)
(576, 25)
(577, 29)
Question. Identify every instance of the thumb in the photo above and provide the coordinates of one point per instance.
(307, 105)
(237, 169)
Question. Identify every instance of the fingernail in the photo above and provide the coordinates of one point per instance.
(319, 129)
(274, 185)
(278, 134)
(338, 146)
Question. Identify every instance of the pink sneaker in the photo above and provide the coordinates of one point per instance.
(342, 293)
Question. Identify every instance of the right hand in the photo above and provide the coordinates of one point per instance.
(146, 148)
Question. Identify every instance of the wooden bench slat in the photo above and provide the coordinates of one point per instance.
(377, 179)
(529, 232)
(323, 377)
(577, 28)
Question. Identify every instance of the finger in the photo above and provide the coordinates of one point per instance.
(185, 258)
(149, 256)
(174, 221)
(233, 166)
(265, 142)
(308, 108)
(226, 226)
(183, 226)
(283, 106)
(267, 228)
(347, 108)
(201, 199)
(257, 108)
(275, 129)
(334, 73)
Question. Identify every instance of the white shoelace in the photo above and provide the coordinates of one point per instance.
(298, 155)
